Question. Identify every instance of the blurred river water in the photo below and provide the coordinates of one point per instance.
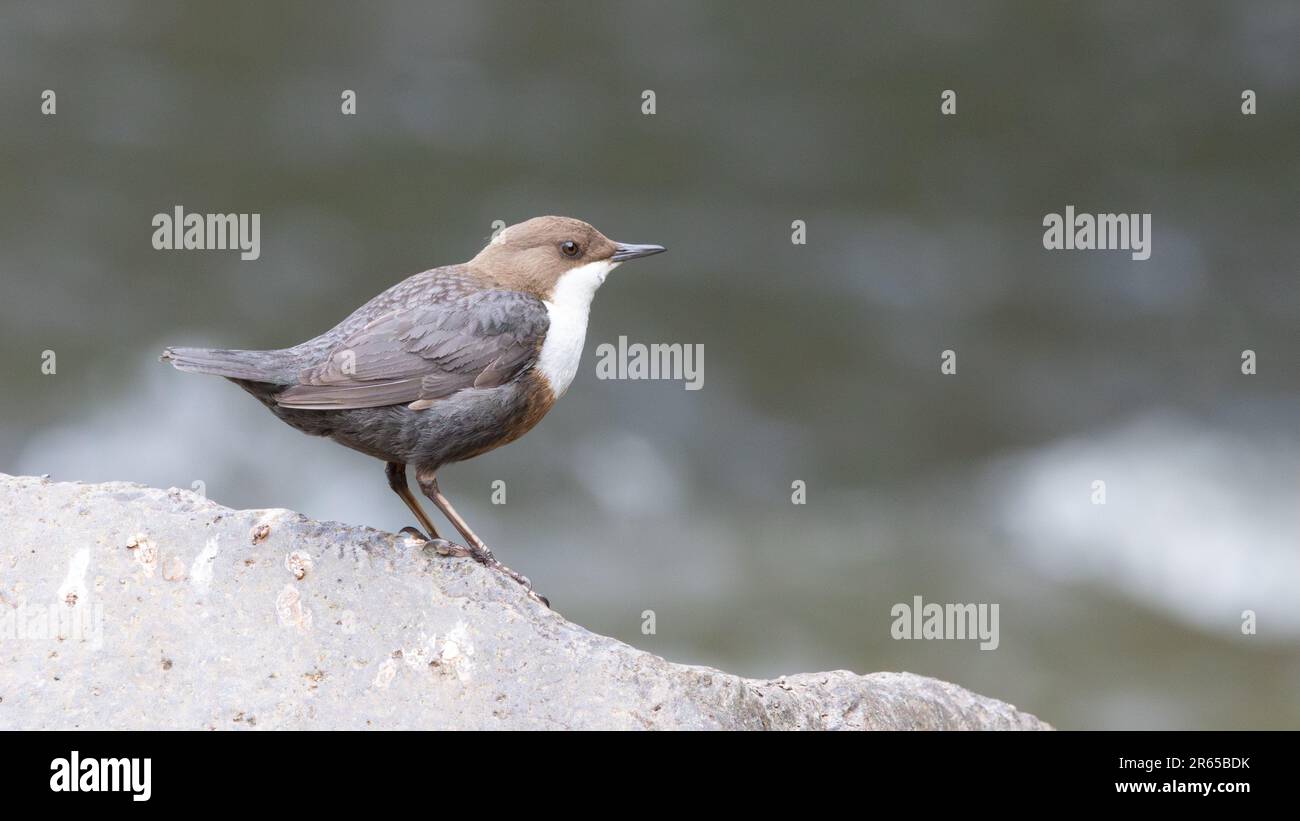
(924, 235)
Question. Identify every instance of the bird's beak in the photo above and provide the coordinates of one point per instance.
(624, 251)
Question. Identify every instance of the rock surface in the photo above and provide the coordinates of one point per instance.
(128, 607)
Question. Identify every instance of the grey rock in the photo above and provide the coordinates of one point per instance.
(128, 607)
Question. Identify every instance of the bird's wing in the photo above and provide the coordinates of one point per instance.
(423, 353)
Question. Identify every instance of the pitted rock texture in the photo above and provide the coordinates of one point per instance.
(128, 607)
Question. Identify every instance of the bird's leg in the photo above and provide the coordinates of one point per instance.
(477, 549)
(396, 473)
(429, 484)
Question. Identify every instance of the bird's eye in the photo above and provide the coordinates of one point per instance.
(569, 248)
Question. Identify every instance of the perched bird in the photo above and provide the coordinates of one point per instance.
(443, 366)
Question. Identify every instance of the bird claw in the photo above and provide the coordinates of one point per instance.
(446, 548)
(483, 555)
(479, 553)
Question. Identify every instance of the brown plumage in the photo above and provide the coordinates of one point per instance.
(444, 366)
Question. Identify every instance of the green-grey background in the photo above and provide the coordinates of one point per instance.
(821, 361)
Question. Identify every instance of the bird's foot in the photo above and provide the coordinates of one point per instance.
(481, 554)
(410, 531)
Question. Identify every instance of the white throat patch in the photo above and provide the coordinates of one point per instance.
(568, 309)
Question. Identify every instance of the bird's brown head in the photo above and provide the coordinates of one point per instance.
(535, 256)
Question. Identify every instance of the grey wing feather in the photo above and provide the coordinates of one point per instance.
(427, 352)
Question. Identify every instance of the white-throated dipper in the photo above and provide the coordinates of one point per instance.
(443, 366)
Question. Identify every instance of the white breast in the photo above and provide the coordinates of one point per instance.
(568, 309)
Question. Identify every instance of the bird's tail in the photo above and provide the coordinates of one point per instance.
(258, 366)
